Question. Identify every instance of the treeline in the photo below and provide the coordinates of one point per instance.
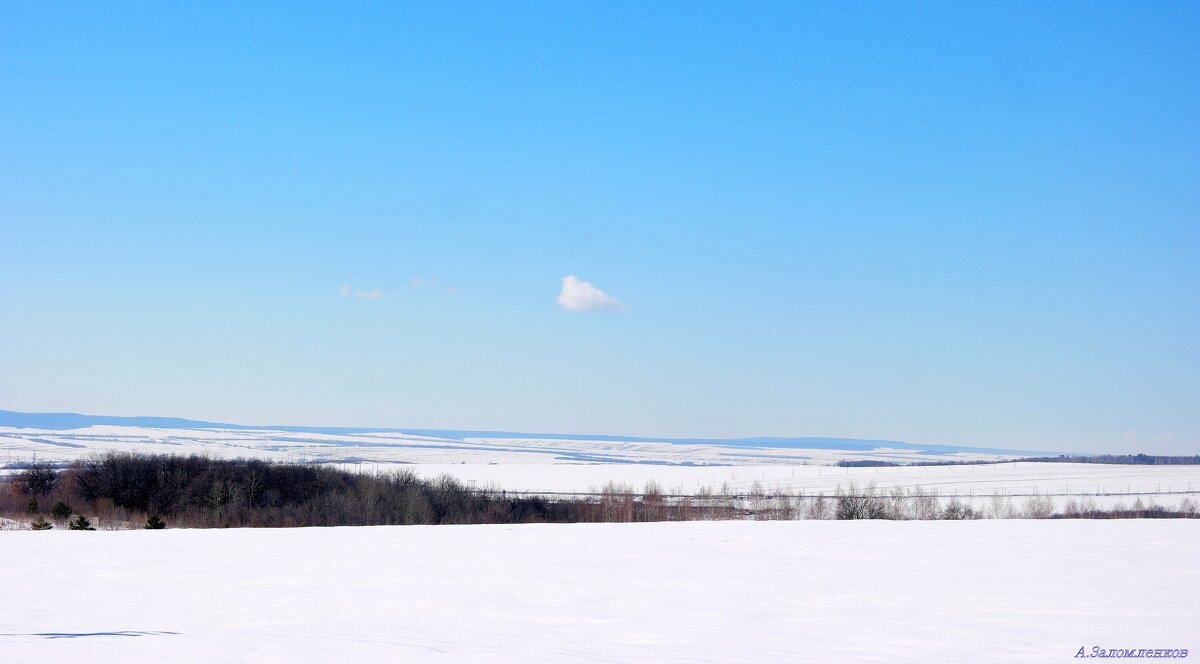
(197, 491)
(872, 463)
(1126, 459)
(123, 490)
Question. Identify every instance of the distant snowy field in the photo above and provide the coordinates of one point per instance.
(733, 591)
(383, 448)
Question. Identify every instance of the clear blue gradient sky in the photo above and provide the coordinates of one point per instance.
(973, 223)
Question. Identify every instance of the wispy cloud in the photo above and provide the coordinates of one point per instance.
(427, 282)
(1135, 437)
(579, 295)
(346, 291)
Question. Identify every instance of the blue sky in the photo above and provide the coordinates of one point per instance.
(943, 223)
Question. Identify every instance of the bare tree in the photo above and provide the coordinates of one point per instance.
(1071, 509)
(957, 510)
(38, 479)
(925, 504)
(859, 504)
(1188, 508)
(897, 506)
(652, 502)
(616, 503)
(819, 507)
(1038, 507)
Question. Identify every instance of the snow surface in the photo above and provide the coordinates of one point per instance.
(878, 591)
(21, 444)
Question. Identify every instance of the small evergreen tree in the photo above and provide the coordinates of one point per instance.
(33, 506)
(80, 522)
(154, 523)
(41, 524)
(61, 511)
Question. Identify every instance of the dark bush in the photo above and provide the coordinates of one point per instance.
(61, 511)
(864, 504)
(956, 510)
(200, 491)
(38, 480)
(80, 523)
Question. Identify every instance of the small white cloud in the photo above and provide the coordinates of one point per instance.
(347, 291)
(450, 290)
(418, 282)
(579, 295)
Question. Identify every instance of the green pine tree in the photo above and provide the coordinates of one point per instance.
(60, 511)
(155, 523)
(80, 523)
(41, 524)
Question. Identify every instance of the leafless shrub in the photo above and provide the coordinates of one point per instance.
(819, 507)
(616, 503)
(1087, 507)
(1071, 509)
(1038, 507)
(924, 504)
(957, 510)
(995, 507)
(652, 502)
(859, 504)
(704, 503)
(785, 505)
(897, 504)
(1189, 508)
(757, 501)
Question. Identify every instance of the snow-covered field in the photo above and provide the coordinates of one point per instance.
(581, 465)
(866, 591)
(386, 448)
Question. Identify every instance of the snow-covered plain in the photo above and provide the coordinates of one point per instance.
(385, 448)
(807, 591)
(548, 465)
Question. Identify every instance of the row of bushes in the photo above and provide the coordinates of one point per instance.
(1114, 459)
(868, 502)
(61, 515)
(124, 490)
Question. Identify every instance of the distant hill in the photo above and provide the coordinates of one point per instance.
(62, 421)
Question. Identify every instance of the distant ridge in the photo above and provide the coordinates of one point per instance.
(62, 421)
